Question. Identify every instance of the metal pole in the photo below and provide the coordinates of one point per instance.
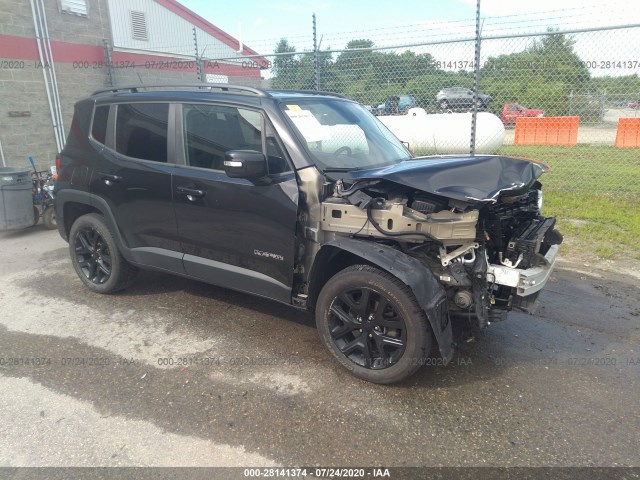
(56, 127)
(107, 59)
(476, 77)
(54, 78)
(198, 59)
(316, 59)
(4, 163)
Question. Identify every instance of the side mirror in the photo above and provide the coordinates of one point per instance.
(248, 164)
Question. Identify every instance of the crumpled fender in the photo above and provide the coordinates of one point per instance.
(430, 294)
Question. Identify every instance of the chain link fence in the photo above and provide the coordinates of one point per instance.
(568, 98)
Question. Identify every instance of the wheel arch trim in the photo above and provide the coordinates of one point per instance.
(95, 202)
(430, 295)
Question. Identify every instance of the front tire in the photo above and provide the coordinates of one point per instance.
(372, 324)
(95, 256)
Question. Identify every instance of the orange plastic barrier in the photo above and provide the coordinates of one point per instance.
(628, 134)
(547, 131)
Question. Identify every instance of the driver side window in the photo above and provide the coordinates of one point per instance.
(212, 130)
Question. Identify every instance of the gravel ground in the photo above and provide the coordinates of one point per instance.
(174, 372)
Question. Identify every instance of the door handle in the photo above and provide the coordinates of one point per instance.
(110, 179)
(191, 193)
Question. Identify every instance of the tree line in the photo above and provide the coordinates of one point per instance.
(548, 74)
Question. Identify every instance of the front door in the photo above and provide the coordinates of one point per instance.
(234, 232)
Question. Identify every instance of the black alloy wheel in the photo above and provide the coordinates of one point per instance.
(93, 256)
(367, 328)
(372, 324)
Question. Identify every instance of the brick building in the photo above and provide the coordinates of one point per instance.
(55, 52)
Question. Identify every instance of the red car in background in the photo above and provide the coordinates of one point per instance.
(511, 111)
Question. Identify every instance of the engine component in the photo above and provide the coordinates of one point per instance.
(507, 262)
(463, 299)
(446, 258)
(516, 235)
(380, 203)
(463, 258)
(524, 248)
(428, 204)
(451, 228)
(459, 274)
(359, 199)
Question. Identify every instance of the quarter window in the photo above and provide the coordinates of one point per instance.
(99, 125)
(141, 130)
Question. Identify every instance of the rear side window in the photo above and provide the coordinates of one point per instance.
(141, 130)
(99, 125)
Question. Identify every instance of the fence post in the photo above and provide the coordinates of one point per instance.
(316, 56)
(199, 71)
(476, 78)
(108, 63)
(570, 103)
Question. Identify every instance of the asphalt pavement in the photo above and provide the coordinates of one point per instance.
(172, 372)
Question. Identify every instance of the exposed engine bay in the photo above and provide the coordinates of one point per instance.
(490, 255)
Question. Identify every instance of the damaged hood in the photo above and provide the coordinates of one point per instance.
(478, 178)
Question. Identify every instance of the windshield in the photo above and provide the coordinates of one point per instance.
(343, 135)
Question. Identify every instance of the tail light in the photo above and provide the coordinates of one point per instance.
(58, 163)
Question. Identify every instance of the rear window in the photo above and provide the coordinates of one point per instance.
(99, 125)
(141, 130)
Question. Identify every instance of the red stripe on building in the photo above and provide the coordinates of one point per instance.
(64, 52)
(18, 47)
(22, 48)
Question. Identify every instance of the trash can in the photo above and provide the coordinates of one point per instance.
(16, 200)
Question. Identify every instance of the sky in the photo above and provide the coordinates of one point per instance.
(261, 24)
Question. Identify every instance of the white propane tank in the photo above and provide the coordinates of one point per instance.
(337, 136)
(445, 133)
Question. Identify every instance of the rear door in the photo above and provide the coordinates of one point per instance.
(234, 232)
(133, 177)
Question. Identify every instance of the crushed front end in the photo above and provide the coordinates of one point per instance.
(491, 253)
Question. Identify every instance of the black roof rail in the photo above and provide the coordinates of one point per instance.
(222, 87)
(308, 92)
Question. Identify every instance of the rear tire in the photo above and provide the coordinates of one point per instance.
(95, 256)
(372, 324)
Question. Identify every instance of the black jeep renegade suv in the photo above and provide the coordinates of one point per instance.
(305, 198)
